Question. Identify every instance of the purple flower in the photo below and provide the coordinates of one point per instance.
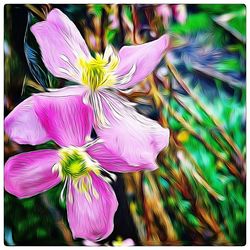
(135, 138)
(79, 163)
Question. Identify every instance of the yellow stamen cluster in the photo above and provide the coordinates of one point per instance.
(76, 165)
(75, 162)
(99, 71)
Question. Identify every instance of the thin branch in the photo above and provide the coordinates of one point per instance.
(35, 10)
(145, 208)
(122, 33)
(102, 32)
(159, 209)
(135, 23)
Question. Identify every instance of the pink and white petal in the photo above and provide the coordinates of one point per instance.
(92, 219)
(65, 118)
(125, 243)
(133, 137)
(90, 243)
(180, 13)
(145, 57)
(23, 126)
(137, 139)
(62, 22)
(111, 162)
(75, 90)
(128, 242)
(29, 174)
(61, 45)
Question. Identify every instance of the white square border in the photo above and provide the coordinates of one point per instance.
(2, 3)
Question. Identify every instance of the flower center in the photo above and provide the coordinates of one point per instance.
(75, 163)
(99, 71)
(76, 166)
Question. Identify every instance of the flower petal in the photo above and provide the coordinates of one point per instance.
(23, 126)
(61, 45)
(29, 174)
(133, 137)
(145, 57)
(92, 219)
(66, 91)
(65, 118)
(111, 162)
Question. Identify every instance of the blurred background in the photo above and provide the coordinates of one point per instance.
(197, 196)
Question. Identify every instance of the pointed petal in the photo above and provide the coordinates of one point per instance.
(65, 118)
(112, 162)
(23, 126)
(29, 174)
(135, 138)
(92, 219)
(61, 45)
(145, 57)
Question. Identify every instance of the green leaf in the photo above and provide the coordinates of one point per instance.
(111, 35)
(97, 9)
(128, 12)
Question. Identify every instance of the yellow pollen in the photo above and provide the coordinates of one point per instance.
(77, 166)
(76, 163)
(99, 71)
(183, 136)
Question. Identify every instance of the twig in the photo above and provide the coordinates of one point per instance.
(216, 74)
(159, 209)
(135, 23)
(145, 208)
(121, 24)
(102, 33)
(36, 11)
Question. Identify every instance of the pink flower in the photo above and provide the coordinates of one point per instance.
(114, 21)
(135, 138)
(125, 243)
(79, 163)
(116, 243)
(180, 13)
(166, 11)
